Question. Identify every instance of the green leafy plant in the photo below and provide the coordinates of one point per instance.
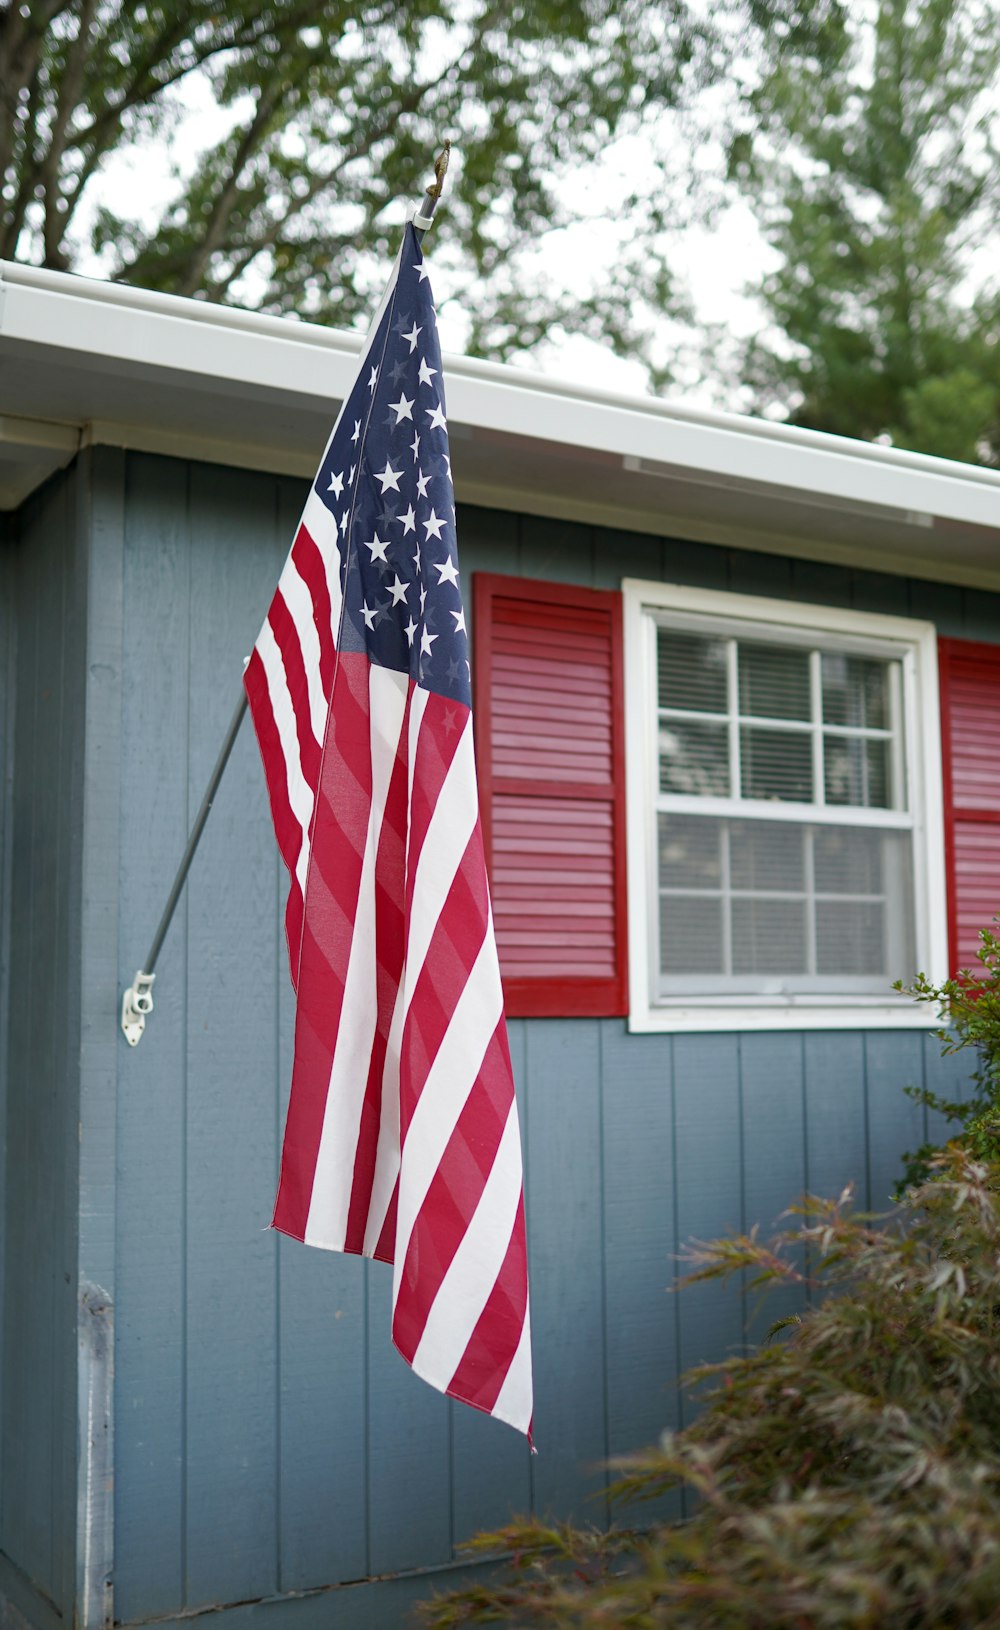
(972, 1004)
(847, 1475)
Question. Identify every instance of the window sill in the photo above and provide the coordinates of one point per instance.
(803, 1013)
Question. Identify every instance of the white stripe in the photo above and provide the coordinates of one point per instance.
(387, 1155)
(446, 1089)
(515, 1402)
(297, 598)
(472, 1274)
(334, 1176)
(325, 533)
(300, 795)
(448, 832)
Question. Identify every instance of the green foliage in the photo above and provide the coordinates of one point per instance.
(337, 110)
(972, 1004)
(871, 156)
(847, 1476)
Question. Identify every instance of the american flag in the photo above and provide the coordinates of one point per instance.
(402, 1138)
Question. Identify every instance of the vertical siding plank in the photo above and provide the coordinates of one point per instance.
(939, 603)
(150, 1317)
(774, 1166)
(709, 1140)
(895, 1122)
(232, 1471)
(980, 615)
(640, 1244)
(949, 1076)
(881, 592)
(751, 572)
(705, 565)
(409, 1494)
(322, 1530)
(565, 1252)
(817, 583)
(561, 551)
(836, 1126)
(625, 554)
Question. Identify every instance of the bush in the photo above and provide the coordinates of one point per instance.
(846, 1476)
(849, 1474)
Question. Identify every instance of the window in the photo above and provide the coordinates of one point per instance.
(785, 848)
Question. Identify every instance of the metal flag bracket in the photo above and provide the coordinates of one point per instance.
(136, 1003)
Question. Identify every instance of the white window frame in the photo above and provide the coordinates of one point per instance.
(914, 644)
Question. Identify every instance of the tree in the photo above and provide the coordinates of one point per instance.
(873, 166)
(337, 110)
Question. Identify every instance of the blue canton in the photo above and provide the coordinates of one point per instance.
(386, 479)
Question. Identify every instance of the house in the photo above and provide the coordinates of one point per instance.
(738, 703)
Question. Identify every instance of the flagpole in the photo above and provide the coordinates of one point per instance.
(137, 1001)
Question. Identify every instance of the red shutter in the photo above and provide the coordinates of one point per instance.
(549, 730)
(970, 733)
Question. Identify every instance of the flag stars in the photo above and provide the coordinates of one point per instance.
(398, 591)
(426, 641)
(426, 374)
(432, 527)
(369, 613)
(415, 448)
(373, 378)
(448, 573)
(357, 430)
(422, 481)
(436, 417)
(422, 269)
(459, 617)
(450, 723)
(378, 547)
(336, 484)
(403, 408)
(410, 630)
(413, 336)
(409, 520)
(389, 478)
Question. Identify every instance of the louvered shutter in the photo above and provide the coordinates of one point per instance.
(549, 726)
(970, 716)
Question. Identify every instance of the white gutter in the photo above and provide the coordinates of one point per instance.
(113, 328)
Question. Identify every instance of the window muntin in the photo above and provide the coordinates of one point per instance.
(784, 849)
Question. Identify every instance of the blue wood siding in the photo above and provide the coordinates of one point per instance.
(270, 1444)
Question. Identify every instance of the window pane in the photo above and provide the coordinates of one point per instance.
(769, 937)
(689, 852)
(855, 691)
(776, 764)
(774, 681)
(690, 934)
(694, 758)
(766, 857)
(857, 772)
(848, 860)
(850, 939)
(691, 672)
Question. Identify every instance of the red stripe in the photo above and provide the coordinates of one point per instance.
(340, 829)
(454, 946)
(311, 568)
(441, 729)
(454, 1194)
(490, 1353)
(287, 829)
(390, 872)
(287, 639)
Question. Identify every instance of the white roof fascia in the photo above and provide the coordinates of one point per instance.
(112, 328)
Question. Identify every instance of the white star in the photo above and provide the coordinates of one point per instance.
(357, 429)
(410, 629)
(373, 378)
(422, 481)
(433, 527)
(345, 521)
(402, 408)
(426, 641)
(336, 484)
(378, 547)
(423, 599)
(448, 572)
(412, 337)
(350, 477)
(389, 478)
(426, 374)
(459, 617)
(369, 614)
(397, 590)
(422, 269)
(415, 447)
(437, 418)
(408, 520)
